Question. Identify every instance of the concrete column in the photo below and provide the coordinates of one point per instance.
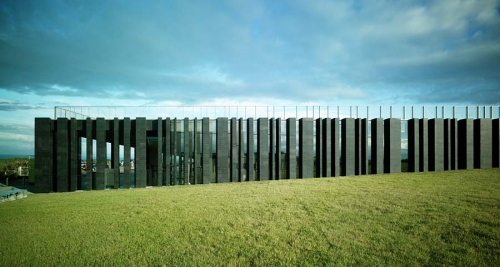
(423, 143)
(326, 147)
(496, 143)
(89, 134)
(187, 152)
(377, 149)
(291, 143)
(392, 145)
(74, 156)
(318, 155)
(167, 157)
(306, 148)
(62, 156)
(115, 153)
(159, 153)
(413, 145)
(101, 154)
(272, 148)
(127, 129)
(140, 153)
(348, 146)
(196, 148)
(483, 143)
(436, 145)
(250, 151)
(241, 151)
(206, 151)
(466, 144)
(263, 149)
(43, 155)
(222, 150)
(277, 157)
(335, 147)
(233, 159)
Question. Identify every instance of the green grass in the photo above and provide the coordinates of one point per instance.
(442, 218)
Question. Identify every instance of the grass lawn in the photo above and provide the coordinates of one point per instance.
(440, 218)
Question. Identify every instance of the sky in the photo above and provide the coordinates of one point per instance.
(206, 53)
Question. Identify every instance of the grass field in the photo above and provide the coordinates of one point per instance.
(412, 219)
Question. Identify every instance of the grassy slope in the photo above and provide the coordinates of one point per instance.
(443, 218)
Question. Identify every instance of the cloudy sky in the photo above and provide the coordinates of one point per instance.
(67, 53)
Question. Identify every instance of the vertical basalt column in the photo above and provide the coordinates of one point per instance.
(115, 153)
(272, 148)
(263, 149)
(62, 155)
(496, 143)
(241, 151)
(436, 145)
(453, 144)
(348, 146)
(167, 171)
(101, 154)
(222, 150)
(483, 143)
(74, 157)
(335, 147)
(364, 146)
(413, 145)
(206, 153)
(175, 155)
(127, 129)
(423, 142)
(79, 185)
(187, 152)
(250, 151)
(318, 156)
(306, 148)
(196, 148)
(233, 161)
(89, 135)
(159, 159)
(43, 155)
(377, 130)
(466, 144)
(357, 146)
(277, 157)
(291, 143)
(392, 145)
(326, 147)
(140, 152)
(447, 144)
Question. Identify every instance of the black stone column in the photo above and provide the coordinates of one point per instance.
(413, 145)
(206, 153)
(272, 148)
(318, 155)
(167, 157)
(306, 148)
(127, 130)
(74, 156)
(233, 161)
(250, 151)
(291, 143)
(483, 142)
(90, 160)
(159, 159)
(392, 145)
(115, 153)
(277, 157)
(436, 145)
(140, 153)
(348, 146)
(43, 155)
(62, 155)
(196, 148)
(222, 150)
(100, 179)
(241, 151)
(263, 149)
(326, 147)
(423, 143)
(335, 147)
(187, 152)
(496, 143)
(377, 150)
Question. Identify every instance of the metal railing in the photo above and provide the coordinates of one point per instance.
(283, 112)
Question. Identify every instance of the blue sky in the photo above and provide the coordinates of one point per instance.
(64, 53)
